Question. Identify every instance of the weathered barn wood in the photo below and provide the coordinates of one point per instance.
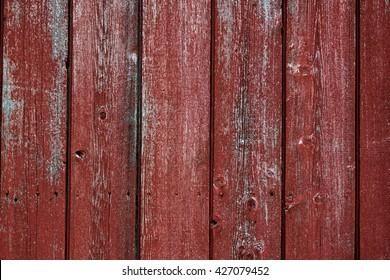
(102, 152)
(175, 130)
(33, 129)
(247, 138)
(374, 130)
(194, 129)
(320, 129)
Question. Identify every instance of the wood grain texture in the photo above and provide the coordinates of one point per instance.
(175, 130)
(320, 129)
(247, 107)
(374, 130)
(33, 130)
(103, 130)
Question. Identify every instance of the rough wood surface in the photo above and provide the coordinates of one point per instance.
(103, 130)
(374, 130)
(175, 130)
(320, 129)
(247, 88)
(33, 129)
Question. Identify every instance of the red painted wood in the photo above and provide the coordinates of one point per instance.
(103, 130)
(33, 130)
(374, 130)
(247, 130)
(320, 129)
(175, 130)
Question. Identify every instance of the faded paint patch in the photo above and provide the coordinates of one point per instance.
(57, 100)
(267, 11)
(226, 18)
(58, 28)
(15, 9)
(12, 108)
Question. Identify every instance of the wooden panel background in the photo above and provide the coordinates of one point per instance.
(195, 129)
(175, 130)
(247, 94)
(102, 154)
(320, 129)
(33, 129)
(374, 130)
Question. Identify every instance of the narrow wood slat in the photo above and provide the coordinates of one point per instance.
(33, 130)
(374, 130)
(320, 129)
(175, 130)
(247, 88)
(103, 130)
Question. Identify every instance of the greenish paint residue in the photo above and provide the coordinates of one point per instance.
(267, 10)
(57, 96)
(12, 109)
(58, 28)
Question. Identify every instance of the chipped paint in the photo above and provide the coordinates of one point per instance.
(16, 9)
(226, 22)
(58, 29)
(267, 11)
(12, 109)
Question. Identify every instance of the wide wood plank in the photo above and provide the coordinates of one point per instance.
(33, 129)
(247, 138)
(103, 130)
(320, 129)
(374, 130)
(175, 130)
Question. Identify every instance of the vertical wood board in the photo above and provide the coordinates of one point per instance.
(320, 130)
(33, 129)
(374, 130)
(247, 91)
(175, 130)
(103, 130)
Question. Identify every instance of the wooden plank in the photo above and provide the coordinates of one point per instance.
(247, 130)
(103, 129)
(320, 129)
(374, 130)
(33, 130)
(175, 130)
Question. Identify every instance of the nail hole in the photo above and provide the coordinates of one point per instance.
(6, 194)
(271, 193)
(252, 203)
(37, 193)
(199, 194)
(103, 115)
(15, 200)
(128, 193)
(80, 154)
(56, 194)
(317, 199)
(176, 194)
(213, 223)
(220, 182)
